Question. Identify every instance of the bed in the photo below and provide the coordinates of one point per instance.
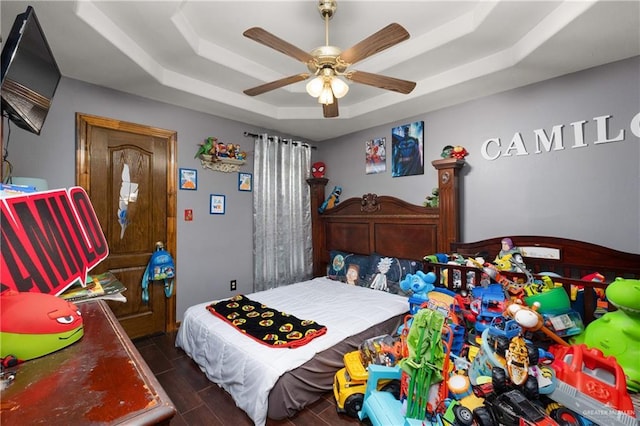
(367, 228)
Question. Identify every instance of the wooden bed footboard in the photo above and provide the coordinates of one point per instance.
(572, 260)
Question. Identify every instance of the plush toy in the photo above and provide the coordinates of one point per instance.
(419, 283)
(332, 199)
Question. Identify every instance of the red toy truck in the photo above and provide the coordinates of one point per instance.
(592, 385)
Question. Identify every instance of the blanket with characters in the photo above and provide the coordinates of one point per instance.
(266, 325)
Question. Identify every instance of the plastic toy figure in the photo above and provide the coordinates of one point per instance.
(459, 152)
(318, 169)
(419, 283)
(508, 254)
(332, 200)
(433, 200)
(446, 151)
(206, 148)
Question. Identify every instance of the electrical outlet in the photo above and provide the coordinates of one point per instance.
(232, 285)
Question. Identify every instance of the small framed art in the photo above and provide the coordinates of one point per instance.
(245, 181)
(189, 179)
(217, 204)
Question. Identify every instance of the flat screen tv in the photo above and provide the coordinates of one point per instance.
(30, 74)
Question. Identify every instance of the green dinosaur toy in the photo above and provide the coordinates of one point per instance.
(617, 333)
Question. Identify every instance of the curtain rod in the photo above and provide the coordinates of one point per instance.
(271, 138)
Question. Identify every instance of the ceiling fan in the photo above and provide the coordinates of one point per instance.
(327, 62)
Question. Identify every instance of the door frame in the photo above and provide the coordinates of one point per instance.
(83, 172)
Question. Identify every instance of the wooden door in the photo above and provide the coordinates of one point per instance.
(131, 167)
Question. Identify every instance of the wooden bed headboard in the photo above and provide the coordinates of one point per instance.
(387, 225)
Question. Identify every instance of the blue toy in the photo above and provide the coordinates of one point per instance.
(332, 199)
(419, 283)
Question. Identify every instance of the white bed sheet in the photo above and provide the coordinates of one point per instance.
(247, 369)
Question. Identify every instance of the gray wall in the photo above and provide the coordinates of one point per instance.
(591, 193)
(212, 249)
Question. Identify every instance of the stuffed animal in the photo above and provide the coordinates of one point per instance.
(419, 283)
(332, 199)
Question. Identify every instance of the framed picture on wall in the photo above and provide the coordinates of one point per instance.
(245, 181)
(189, 179)
(376, 156)
(217, 204)
(407, 147)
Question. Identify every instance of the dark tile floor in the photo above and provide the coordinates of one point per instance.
(201, 402)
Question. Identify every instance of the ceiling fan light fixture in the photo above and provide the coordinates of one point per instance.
(315, 86)
(339, 87)
(326, 96)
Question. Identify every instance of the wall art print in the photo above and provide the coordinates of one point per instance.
(376, 156)
(407, 146)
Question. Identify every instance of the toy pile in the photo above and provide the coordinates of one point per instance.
(489, 343)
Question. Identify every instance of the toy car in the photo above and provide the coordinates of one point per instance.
(489, 302)
(511, 408)
(457, 415)
(592, 385)
(350, 382)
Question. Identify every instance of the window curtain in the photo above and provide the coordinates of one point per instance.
(281, 212)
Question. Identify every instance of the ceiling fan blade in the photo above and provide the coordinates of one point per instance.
(263, 36)
(330, 110)
(381, 81)
(263, 88)
(389, 36)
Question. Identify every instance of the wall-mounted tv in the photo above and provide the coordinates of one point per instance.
(30, 74)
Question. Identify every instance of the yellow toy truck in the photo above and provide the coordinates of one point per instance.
(350, 382)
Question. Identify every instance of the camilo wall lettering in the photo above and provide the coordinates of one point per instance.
(492, 148)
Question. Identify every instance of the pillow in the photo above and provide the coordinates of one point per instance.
(348, 267)
(394, 271)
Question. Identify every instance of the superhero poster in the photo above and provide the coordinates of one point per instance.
(376, 156)
(407, 145)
